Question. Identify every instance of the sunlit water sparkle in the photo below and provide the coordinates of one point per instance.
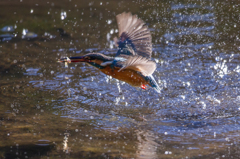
(199, 103)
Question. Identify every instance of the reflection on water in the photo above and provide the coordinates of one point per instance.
(147, 147)
(49, 110)
(65, 143)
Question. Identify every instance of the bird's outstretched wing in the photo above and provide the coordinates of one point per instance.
(135, 37)
(137, 63)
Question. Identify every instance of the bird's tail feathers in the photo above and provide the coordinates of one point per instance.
(153, 83)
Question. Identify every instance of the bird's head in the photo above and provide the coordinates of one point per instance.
(91, 58)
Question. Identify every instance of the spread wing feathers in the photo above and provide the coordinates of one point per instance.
(133, 31)
(140, 64)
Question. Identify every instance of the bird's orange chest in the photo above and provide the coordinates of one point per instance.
(129, 76)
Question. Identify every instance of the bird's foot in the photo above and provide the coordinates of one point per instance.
(143, 86)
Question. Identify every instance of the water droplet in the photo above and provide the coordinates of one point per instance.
(111, 31)
(227, 139)
(69, 92)
(24, 31)
(63, 15)
(109, 21)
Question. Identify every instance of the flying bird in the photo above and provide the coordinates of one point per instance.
(132, 62)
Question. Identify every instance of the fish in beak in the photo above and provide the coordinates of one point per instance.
(73, 59)
(67, 60)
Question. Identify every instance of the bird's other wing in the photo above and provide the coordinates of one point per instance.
(133, 35)
(138, 63)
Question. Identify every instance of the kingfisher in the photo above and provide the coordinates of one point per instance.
(132, 62)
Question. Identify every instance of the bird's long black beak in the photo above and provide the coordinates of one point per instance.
(72, 59)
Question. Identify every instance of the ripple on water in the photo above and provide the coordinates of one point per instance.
(200, 87)
(32, 71)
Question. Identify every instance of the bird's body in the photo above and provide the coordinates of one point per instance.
(132, 62)
(130, 76)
